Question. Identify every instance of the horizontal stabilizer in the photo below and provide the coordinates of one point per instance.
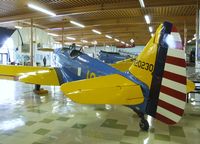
(190, 86)
(111, 89)
(29, 74)
(123, 65)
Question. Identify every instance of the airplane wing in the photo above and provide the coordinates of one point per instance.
(111, 89)
(29, 74)
(46, 49)
(190, 86)
(123, 65)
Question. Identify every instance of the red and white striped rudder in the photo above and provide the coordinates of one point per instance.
(168, 87)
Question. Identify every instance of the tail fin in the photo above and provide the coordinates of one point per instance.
(162, 67)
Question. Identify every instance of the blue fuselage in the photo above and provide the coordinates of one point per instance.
(74, 65)
(111, 57)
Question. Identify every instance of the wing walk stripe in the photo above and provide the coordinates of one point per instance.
(174, 117)
(176, 61)
(175, 69)
(175, 77)
(170, 107)
(164, 119)
(172, 100)
(174, 85)
(173, 93)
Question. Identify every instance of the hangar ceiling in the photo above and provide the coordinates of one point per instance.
(121, 19)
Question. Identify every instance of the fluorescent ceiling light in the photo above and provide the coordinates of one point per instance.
(142, 3)
(96, 31)
(67, 43)
(70, 38)
(41, 9)
(18, 27)
(150, 29)
(189, 41)
(78, 24)
(85, 47)
(52, 34)
(116, 40)
(132, 41)
(107, 46)
(94, 42)
(122, 42)
(84, 41)
(152, 34)
(147, 19)
(108, 36)
(194, 38)
(127, 44)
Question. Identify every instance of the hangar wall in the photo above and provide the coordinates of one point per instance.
(22, 50)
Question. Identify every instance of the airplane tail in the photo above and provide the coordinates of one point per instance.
(161, 66)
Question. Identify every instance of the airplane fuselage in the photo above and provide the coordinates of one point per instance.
(75, 65)
(81, 66)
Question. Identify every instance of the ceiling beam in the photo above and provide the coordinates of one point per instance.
(123, 5)
(129, 21)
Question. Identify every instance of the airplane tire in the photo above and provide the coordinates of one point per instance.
(144, 125)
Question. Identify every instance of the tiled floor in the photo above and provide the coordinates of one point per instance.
(26, 118)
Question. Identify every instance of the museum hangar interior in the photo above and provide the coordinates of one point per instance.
(99, 72)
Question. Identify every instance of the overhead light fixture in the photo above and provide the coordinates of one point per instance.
(84, 41)
(150, 29)
(77, 24)
(142, 3)
(52, 34)
(189, 41)
(96, 31)
(108, 36)
(67, 43)
(152, 34)
(71, 38)
(194, 38)
(94, 42)
(18, 27)
(147, 19)
(116, 40)
(127, 44)
(132, 41)
(41, 9)
(122, 42)
(107, 46)
(85, 47)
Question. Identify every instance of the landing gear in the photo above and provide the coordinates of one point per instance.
(144, 125)
(39, 90)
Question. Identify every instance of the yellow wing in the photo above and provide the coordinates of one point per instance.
(29, 74)
(190, 86)
(111, 89)
(46, 49)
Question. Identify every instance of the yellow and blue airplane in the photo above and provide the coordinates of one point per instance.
(155, 83)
